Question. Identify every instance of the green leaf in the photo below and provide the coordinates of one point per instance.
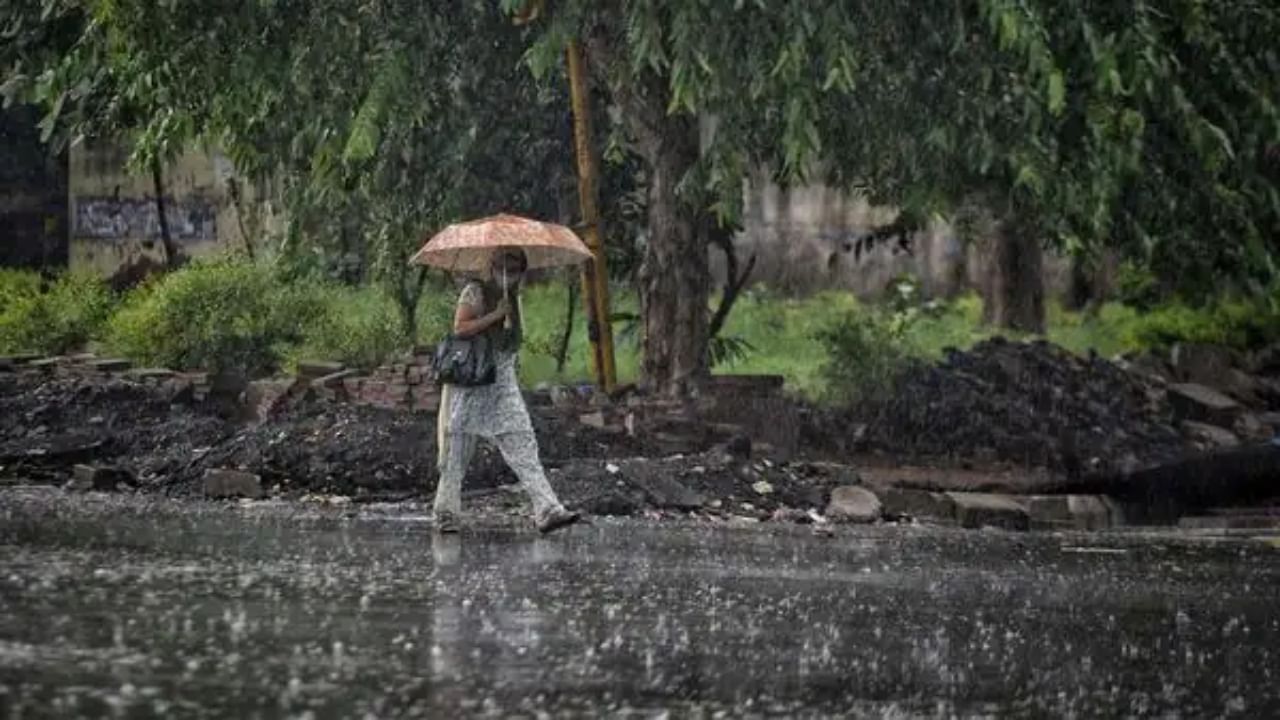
(1057, 92)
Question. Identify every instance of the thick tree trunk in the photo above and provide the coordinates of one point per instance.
(675, 275)
(166, 239)
(1013, 286)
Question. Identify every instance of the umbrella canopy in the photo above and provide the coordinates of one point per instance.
(468, 247)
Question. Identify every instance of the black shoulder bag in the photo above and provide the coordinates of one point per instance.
(466, 362)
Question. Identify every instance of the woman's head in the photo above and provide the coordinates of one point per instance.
(509, 264)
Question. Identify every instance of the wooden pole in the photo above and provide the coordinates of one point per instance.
(595, 276)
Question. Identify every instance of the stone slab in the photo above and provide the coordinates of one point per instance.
(312, 369)
(232, 484)
(918, 504)
(1199, 403)
(1074, 512)
(977, 510)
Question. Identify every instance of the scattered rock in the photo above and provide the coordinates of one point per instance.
(1265, 361)
(333, 380)
(85, 478)
(312, 369)
(1271, 420)
(1202, 364)
(1230, 522)
(111, 365)
(739, 447)
(1075, 512)
(665, 492)
(145, 374)
(762, 487)
(232, 484)
(976, 510)
(1151, 366)
(852, 503)
(792, 515)
(264, 398)
(1251, 428)
(919, 505)
(1241, 386)
(1203, 404)
(610, 503)
(46, 364)
(1209, 437)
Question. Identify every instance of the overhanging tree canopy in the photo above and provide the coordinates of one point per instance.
(1137, 125)
(1149, 127)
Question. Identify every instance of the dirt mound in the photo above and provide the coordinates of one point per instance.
(1032, 404)
(48, 424)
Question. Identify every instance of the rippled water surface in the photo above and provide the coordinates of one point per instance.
(132, 608)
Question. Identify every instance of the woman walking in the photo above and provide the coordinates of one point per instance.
(493, 412)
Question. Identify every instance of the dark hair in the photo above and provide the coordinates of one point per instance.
(514, 254)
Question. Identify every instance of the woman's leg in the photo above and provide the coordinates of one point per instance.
(460, 447)
(520, 450)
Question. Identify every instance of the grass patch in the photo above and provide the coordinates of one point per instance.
(544, 314)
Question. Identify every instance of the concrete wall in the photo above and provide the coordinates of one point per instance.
(805, 240)
(115, 229)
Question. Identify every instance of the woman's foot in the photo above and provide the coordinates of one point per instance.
(446, 523)
(557, 518)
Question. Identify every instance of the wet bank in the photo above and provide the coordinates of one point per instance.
(134, 606)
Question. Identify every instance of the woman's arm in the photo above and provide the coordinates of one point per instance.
(468, 323)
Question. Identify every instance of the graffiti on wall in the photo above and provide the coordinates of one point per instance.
(191, 219)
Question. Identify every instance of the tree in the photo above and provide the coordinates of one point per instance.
(380, 121)
(1082, 125)
(667, 68)
(1073, 123)
(61, 57)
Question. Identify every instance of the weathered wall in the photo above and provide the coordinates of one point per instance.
(33, 204)
(115, 224)
(805, 240)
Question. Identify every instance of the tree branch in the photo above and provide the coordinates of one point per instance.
(722, 238)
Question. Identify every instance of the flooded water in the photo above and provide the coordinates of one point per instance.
(132, 608)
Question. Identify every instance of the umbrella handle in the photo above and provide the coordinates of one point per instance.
(506, 294)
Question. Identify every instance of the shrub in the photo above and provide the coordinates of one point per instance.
(64, 317)
(223, 315)
(865, 353)
(360, 327)
(16, 285)
(435, 311)
(1238, 323)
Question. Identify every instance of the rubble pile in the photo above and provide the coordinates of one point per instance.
(1032, 404)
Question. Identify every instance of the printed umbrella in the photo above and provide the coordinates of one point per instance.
(467, 247)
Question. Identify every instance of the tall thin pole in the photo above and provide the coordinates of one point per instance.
(595, 275)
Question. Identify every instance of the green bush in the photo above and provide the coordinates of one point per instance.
(16, 285)
(64, 317)
(223, 315)
(865, 352)
(435, 311)
(1238, 323)
(359, 327)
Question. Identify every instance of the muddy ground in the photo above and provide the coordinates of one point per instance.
(50, 424)
(1004, 416)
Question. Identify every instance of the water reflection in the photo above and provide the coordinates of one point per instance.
(123, 611)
